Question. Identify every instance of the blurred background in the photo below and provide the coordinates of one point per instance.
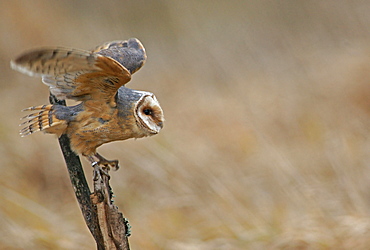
(266, 141)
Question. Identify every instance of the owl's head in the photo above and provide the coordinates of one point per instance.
(149, 114)
(140, 111)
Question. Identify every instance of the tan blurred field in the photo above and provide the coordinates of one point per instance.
(266, 141)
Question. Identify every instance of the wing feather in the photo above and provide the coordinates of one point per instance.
(73, 73)
(54, 61)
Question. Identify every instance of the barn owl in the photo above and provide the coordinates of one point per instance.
(107, 110)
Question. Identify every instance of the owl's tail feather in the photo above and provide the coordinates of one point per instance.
(44, 120)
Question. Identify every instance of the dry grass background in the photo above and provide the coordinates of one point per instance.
(266, 141)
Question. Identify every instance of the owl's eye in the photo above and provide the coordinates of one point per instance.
(148, 111)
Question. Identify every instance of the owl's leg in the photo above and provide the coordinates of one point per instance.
(102, 161)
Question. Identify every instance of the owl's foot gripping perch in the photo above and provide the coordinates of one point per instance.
(102, 166)
(101, 161)
(109, 164)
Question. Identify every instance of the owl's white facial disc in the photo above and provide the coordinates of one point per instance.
(149, 114)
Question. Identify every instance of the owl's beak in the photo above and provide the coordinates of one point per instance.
(160, 124)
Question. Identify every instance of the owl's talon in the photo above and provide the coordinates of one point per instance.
(109, 164)
(114, 164)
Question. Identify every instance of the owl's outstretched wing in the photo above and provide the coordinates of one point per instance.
(84, 75)
(131, 53)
